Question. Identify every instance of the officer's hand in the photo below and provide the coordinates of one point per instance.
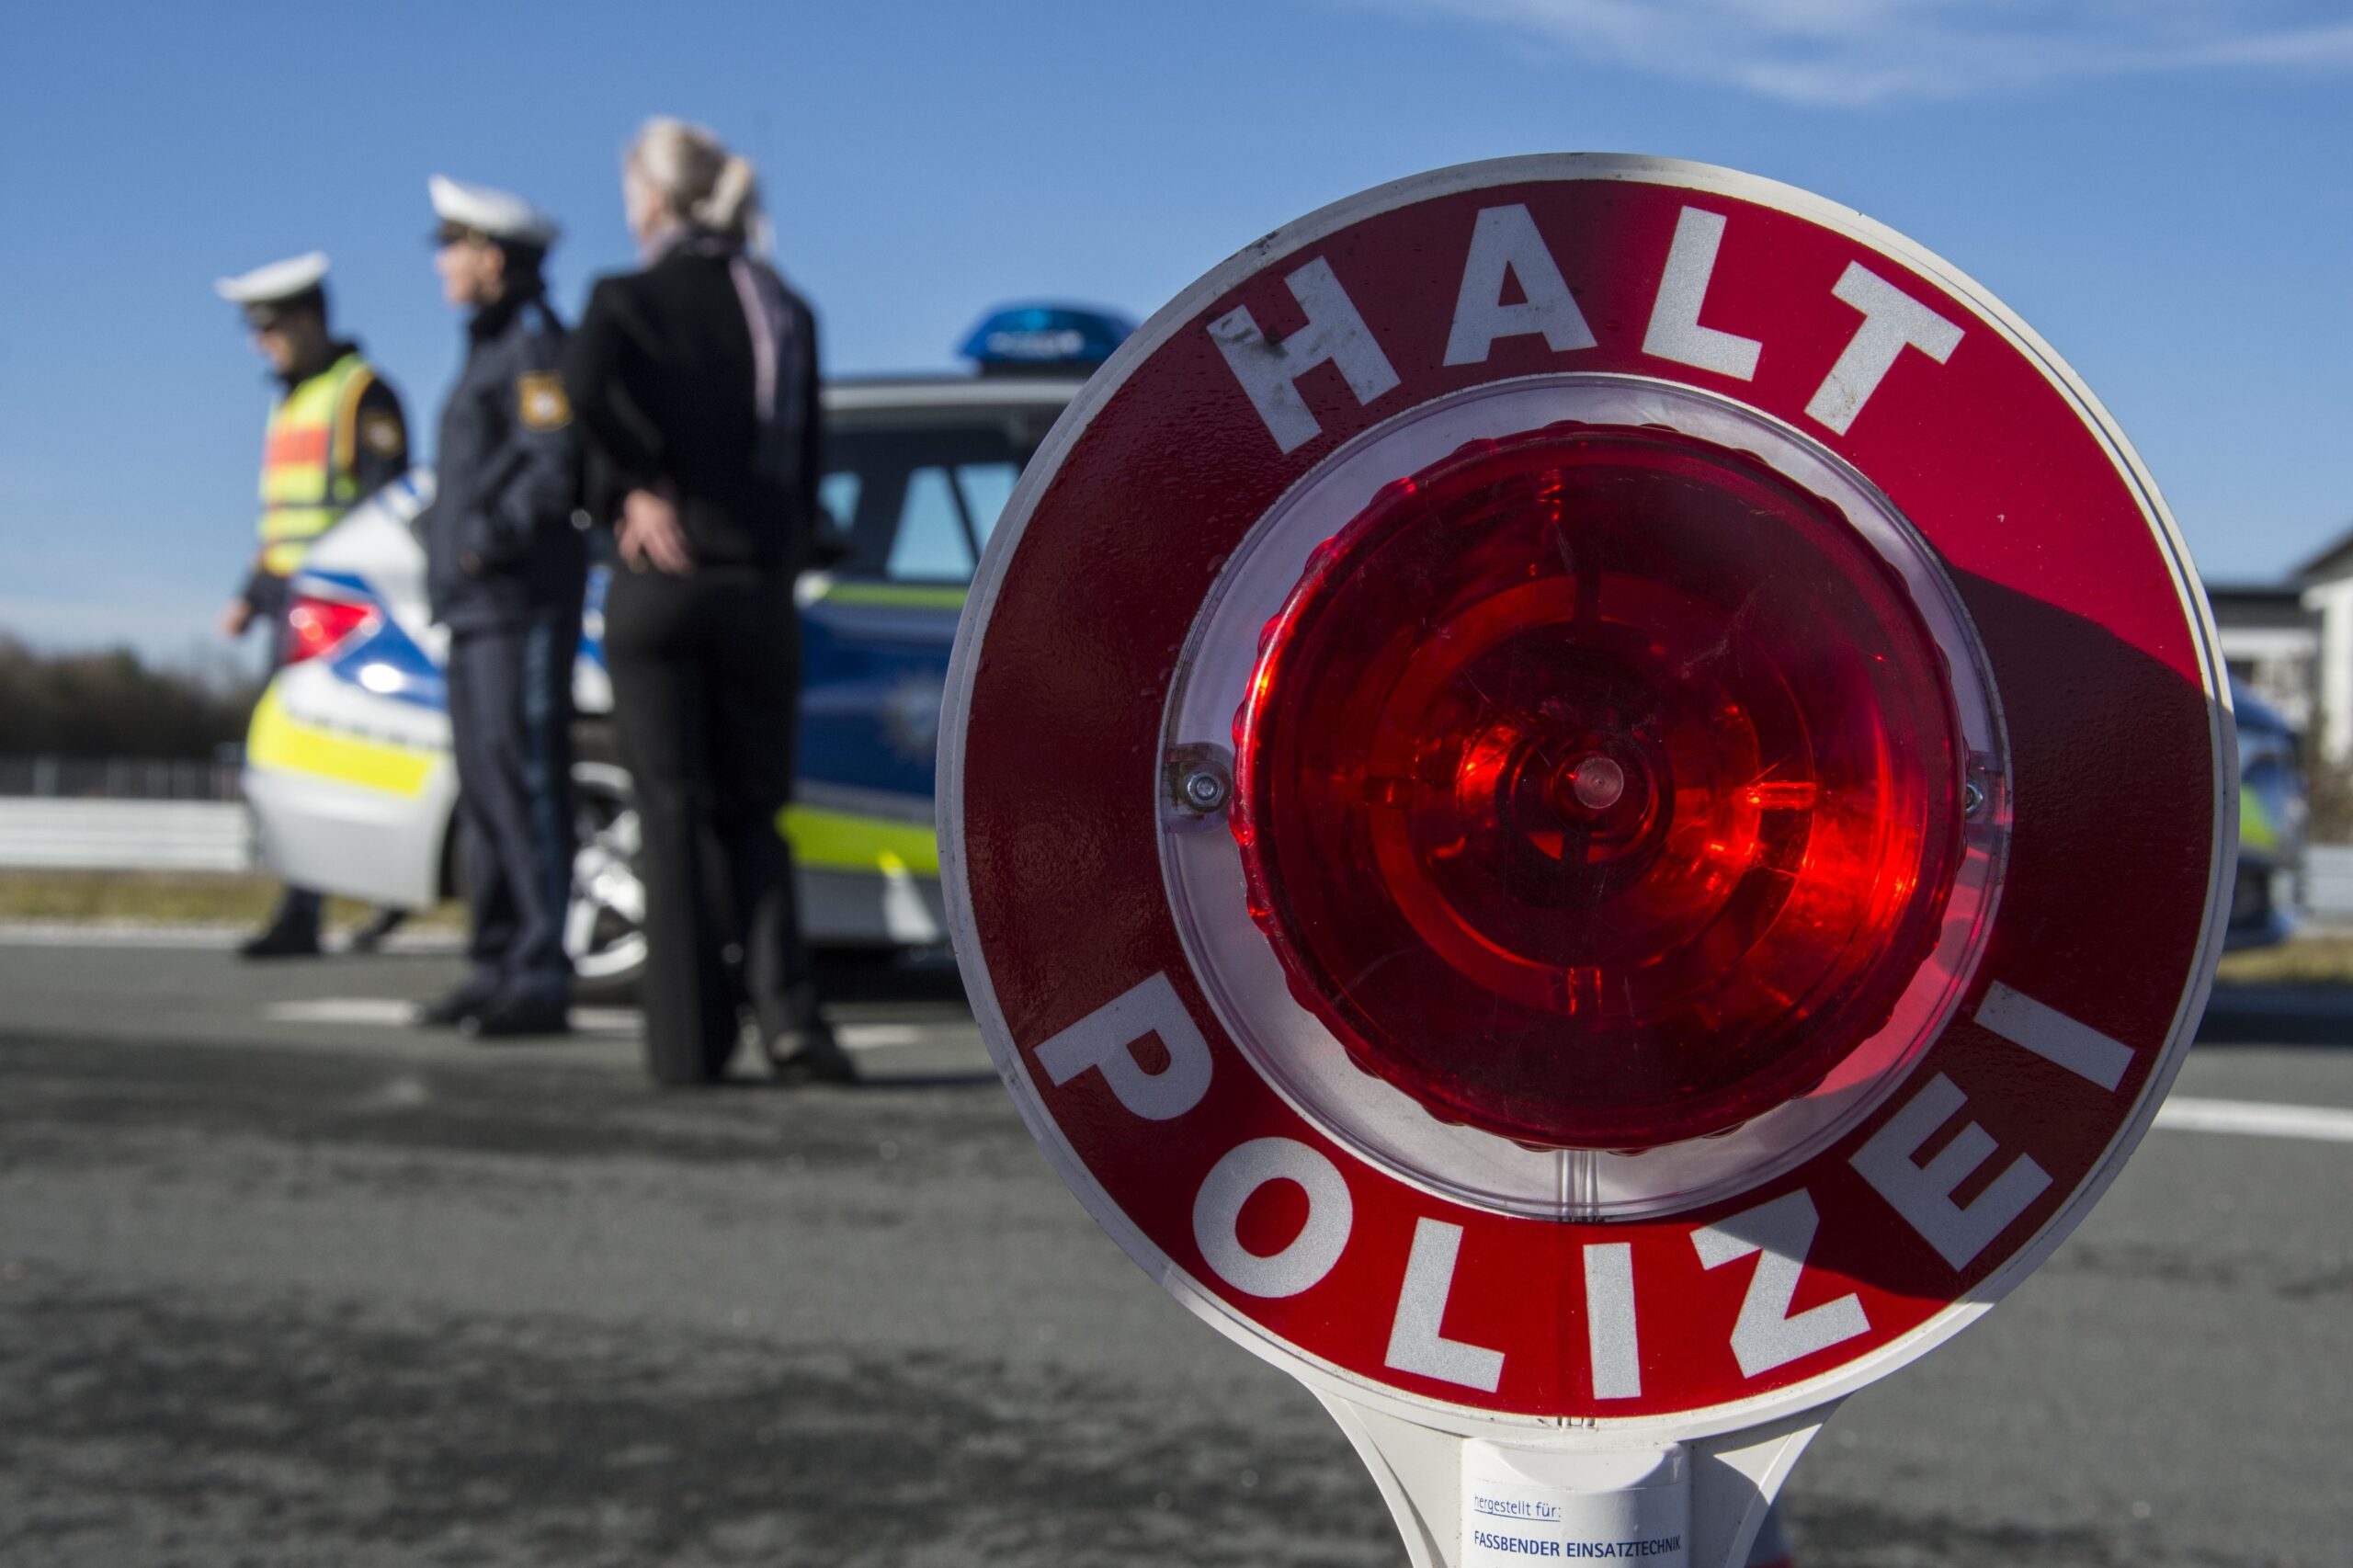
(651, 531)
(236, 618)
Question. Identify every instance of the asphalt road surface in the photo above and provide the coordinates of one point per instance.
(282, 1282)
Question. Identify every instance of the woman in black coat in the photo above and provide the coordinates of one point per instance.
(695, 384)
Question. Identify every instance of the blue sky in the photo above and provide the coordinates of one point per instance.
(2160, 187)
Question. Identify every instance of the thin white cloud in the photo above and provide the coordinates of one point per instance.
(1857, 53)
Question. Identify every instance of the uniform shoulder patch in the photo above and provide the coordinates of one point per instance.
(380, 433)
(540, 401)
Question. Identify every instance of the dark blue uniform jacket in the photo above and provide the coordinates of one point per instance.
(500, 540)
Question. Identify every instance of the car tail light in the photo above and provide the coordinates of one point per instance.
(1599, 788)
(316, 626)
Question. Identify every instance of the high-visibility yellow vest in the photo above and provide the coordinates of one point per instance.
(307, 459)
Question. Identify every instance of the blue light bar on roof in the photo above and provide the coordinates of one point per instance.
(1042, 334)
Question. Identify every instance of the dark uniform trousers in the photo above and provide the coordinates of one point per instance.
(510, 715)
(706, 673)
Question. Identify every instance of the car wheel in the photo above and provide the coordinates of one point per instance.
(604, 926)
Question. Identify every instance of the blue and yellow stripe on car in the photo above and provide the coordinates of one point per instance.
(852, 841)
(894, 596)
(2258, 832)
(283, 744)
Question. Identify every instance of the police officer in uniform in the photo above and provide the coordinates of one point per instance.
(335, 437)
(505, 571)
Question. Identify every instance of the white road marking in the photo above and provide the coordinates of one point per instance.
(156, 934)
(366, 1010)
(392, 1012)
(878, 1036)
(2326, 1123)
(117, 933)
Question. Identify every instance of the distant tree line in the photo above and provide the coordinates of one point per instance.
(112, 704)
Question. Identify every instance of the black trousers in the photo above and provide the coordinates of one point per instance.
(706, 699)
(510, 715)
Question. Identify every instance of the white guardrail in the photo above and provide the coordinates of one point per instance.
(2328, 880)
(125, 835)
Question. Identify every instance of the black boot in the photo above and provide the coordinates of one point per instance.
(371, 937)
(292, 932)
(806, 1051)
(450, 1012)
(510, 1016)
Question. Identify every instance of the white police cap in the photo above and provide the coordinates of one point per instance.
(278, 281)
(494, 214)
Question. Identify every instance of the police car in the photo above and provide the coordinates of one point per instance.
(2272, 812)
(348, 769)
(347, 764)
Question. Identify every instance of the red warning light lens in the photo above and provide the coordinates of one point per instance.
(317, 626)
(1599, 788)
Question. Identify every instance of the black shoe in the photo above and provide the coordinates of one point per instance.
(506, 1017)
(453, 1010)
(810, 1054)
(282, 941)
(369, 938)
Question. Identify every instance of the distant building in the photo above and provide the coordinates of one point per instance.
(2292, 642)
(2271, 640)
(2327, 587)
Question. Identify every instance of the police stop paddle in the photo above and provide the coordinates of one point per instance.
(1587, 799)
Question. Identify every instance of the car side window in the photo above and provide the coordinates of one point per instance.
(838, 493)
(917, 500)
(986, 488)
(934, 542)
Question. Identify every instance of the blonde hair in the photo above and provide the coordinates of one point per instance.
(702, 181)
